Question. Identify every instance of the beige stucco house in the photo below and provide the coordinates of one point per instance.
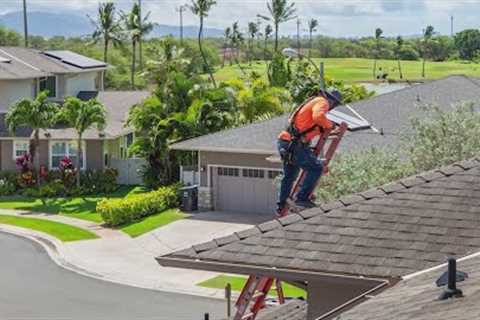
(26, 72)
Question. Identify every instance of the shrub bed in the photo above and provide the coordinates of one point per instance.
(117, 212)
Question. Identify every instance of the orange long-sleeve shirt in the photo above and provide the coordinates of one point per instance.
(313, 113)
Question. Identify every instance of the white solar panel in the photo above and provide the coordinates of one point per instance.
(75, 59)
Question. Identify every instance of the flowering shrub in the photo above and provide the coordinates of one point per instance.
(67, 171)
(8, 183)
(95, 181)
(26, 177)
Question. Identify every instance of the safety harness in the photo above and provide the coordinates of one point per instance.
(295, 134)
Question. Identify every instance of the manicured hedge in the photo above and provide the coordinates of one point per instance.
(117, 212)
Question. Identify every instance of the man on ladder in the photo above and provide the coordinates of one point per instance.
(294, 145)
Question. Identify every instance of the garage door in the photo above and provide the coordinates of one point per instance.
(245, 189)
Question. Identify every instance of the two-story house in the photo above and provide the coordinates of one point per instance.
(26, 72)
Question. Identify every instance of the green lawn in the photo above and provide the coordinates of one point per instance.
(58, 230)
(357, 70)
(152, 222)
(76, 207)
(238, 282)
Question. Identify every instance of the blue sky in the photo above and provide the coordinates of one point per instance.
(337, 18)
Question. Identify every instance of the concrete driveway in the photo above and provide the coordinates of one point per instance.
(33, 287)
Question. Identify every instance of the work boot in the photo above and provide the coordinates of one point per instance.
(306, 204)
(280, 211)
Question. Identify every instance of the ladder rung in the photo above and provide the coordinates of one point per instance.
(248, 316)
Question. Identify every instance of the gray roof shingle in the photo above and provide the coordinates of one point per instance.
(390, 112)
(25, 63)
(415, 299)
(292, 310)
(117, 104)
(394, 230)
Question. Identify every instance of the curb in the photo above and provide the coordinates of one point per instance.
(51, 245)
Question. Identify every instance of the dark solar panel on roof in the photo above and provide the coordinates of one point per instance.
(75, 59)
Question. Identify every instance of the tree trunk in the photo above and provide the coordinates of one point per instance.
(374, 68)
(311, 44)
(265, 49)
(140, 53)
(423, 68)
(200, 47)
(224, 53)
(79, 154)
(400, 69)
(276, 37)
(35, 157)
(105, 50)
(134, 57)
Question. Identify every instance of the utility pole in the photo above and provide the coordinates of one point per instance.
(451, 25)
(298, 35)
(180, 10)
(25, 22)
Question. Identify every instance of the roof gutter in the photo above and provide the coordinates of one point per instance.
(226, 150)
(274, 272)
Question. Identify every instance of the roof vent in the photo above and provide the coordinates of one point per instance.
(5, 60)
(450, 278)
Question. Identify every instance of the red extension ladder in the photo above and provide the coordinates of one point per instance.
(253, 295)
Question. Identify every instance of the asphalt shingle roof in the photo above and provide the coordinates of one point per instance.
(415, 299)
(291, 310)
(27, 63)
(390, 112)
(386, 232)
(117, 104)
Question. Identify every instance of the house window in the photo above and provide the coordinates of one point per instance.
(253, 173)
(273, 174)
(231, 172)
(62, 149)
(125, 143)
(49, 84)
(20, 148)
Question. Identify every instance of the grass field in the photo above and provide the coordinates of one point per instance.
(152, 222)
(238, 283)
(358, 70)
(76, 207)
(58, 230)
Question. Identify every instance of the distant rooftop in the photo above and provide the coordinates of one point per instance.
(18, 63)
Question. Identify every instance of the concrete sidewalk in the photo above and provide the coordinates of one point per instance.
(118, 258)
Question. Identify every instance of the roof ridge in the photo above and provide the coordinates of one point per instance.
(342, 202)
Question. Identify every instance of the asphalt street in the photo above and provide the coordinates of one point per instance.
(33, 287)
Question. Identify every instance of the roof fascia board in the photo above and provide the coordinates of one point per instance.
(282, 273)
(227, 150)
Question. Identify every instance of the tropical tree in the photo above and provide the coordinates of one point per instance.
(378, 38)
(136, 27)
(427, 37)
(201, 9)
(280, 11)
(253, 30)
(266, 35)
(227, 34)
(467, 43)
(312, 27)
(82, 115)
(107, 27)
(38, 114)
(237, 41)
(398, 50)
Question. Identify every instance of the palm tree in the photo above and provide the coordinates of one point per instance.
(107, 27)
(427, 36)
(378, 38)
(252, 32)
(36, 114)
(266, 35)
(227, 34)
(398, 49)
(280, 11)
(237, 41)
(82, 115)
(201, 9)
(312, 27)
(136, 28)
